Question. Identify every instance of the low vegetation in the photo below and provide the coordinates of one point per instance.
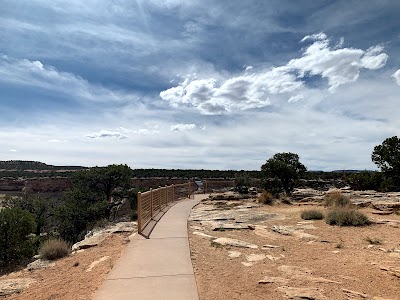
(346, 217)
(54, 249)
(373, 241)
(312, 215)
(266, 198)
(337, 199)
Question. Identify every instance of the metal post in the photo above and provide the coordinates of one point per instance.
(139, 213)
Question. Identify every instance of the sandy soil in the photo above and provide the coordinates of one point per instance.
(68, 279)
(340, 254)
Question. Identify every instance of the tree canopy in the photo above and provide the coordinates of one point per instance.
(281, 171)
(94, 193)
(387, 157)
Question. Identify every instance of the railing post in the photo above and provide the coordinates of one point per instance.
(139, 213)
(190, 189)
(166, 195)
(159, 197)
(151, 203)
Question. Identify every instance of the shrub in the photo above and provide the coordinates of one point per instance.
(266, 198)
(312, 215)
(15, 227)
(242, 183)
(54, 249)
(337, 199)
(346, 217)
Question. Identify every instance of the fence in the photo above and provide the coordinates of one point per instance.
(152, 202)
(218, 185)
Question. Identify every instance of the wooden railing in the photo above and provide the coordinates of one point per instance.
(152, 202)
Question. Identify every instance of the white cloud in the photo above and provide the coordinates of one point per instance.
(234, 94)
(126, 130)
(57, 141)
(13, 150)
(339, 66)
(396, 76)
(106, 134)
(315, 37)
(260, 89)
(296, 98)
(182, 127)
(145, 131)
(35, 74)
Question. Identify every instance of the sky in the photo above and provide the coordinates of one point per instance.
(199, 84)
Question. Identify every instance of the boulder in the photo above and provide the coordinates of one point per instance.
(40, 264)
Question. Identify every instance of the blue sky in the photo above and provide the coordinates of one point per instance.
(198, 84)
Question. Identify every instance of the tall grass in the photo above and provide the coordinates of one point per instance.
(337, 199)
(54, 249)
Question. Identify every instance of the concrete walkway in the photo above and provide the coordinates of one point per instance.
(159, 267)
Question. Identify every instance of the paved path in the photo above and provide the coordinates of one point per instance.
(159, 267)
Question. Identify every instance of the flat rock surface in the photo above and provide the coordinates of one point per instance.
(13, 286)
(95, 237)
(234, 243)
(302, 293)
(312, 259)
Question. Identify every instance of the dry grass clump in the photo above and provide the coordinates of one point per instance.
(337, 199)
(312, 215)
(346, 217)
(266, 198)
(373, 241)
(54, 249)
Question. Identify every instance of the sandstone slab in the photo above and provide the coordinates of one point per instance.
(269, 279)
(293, 293)
(234, 243)
(13, 286)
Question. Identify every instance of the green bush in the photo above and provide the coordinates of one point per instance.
(337, 199)
(15, 227)
(312, 215)
(54, 249)
(266, 198)
(346, 217)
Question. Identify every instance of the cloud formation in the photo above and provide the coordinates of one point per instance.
(182, 127)
(396, 76)
(106, 134)
(259, 88)
(34, 73)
